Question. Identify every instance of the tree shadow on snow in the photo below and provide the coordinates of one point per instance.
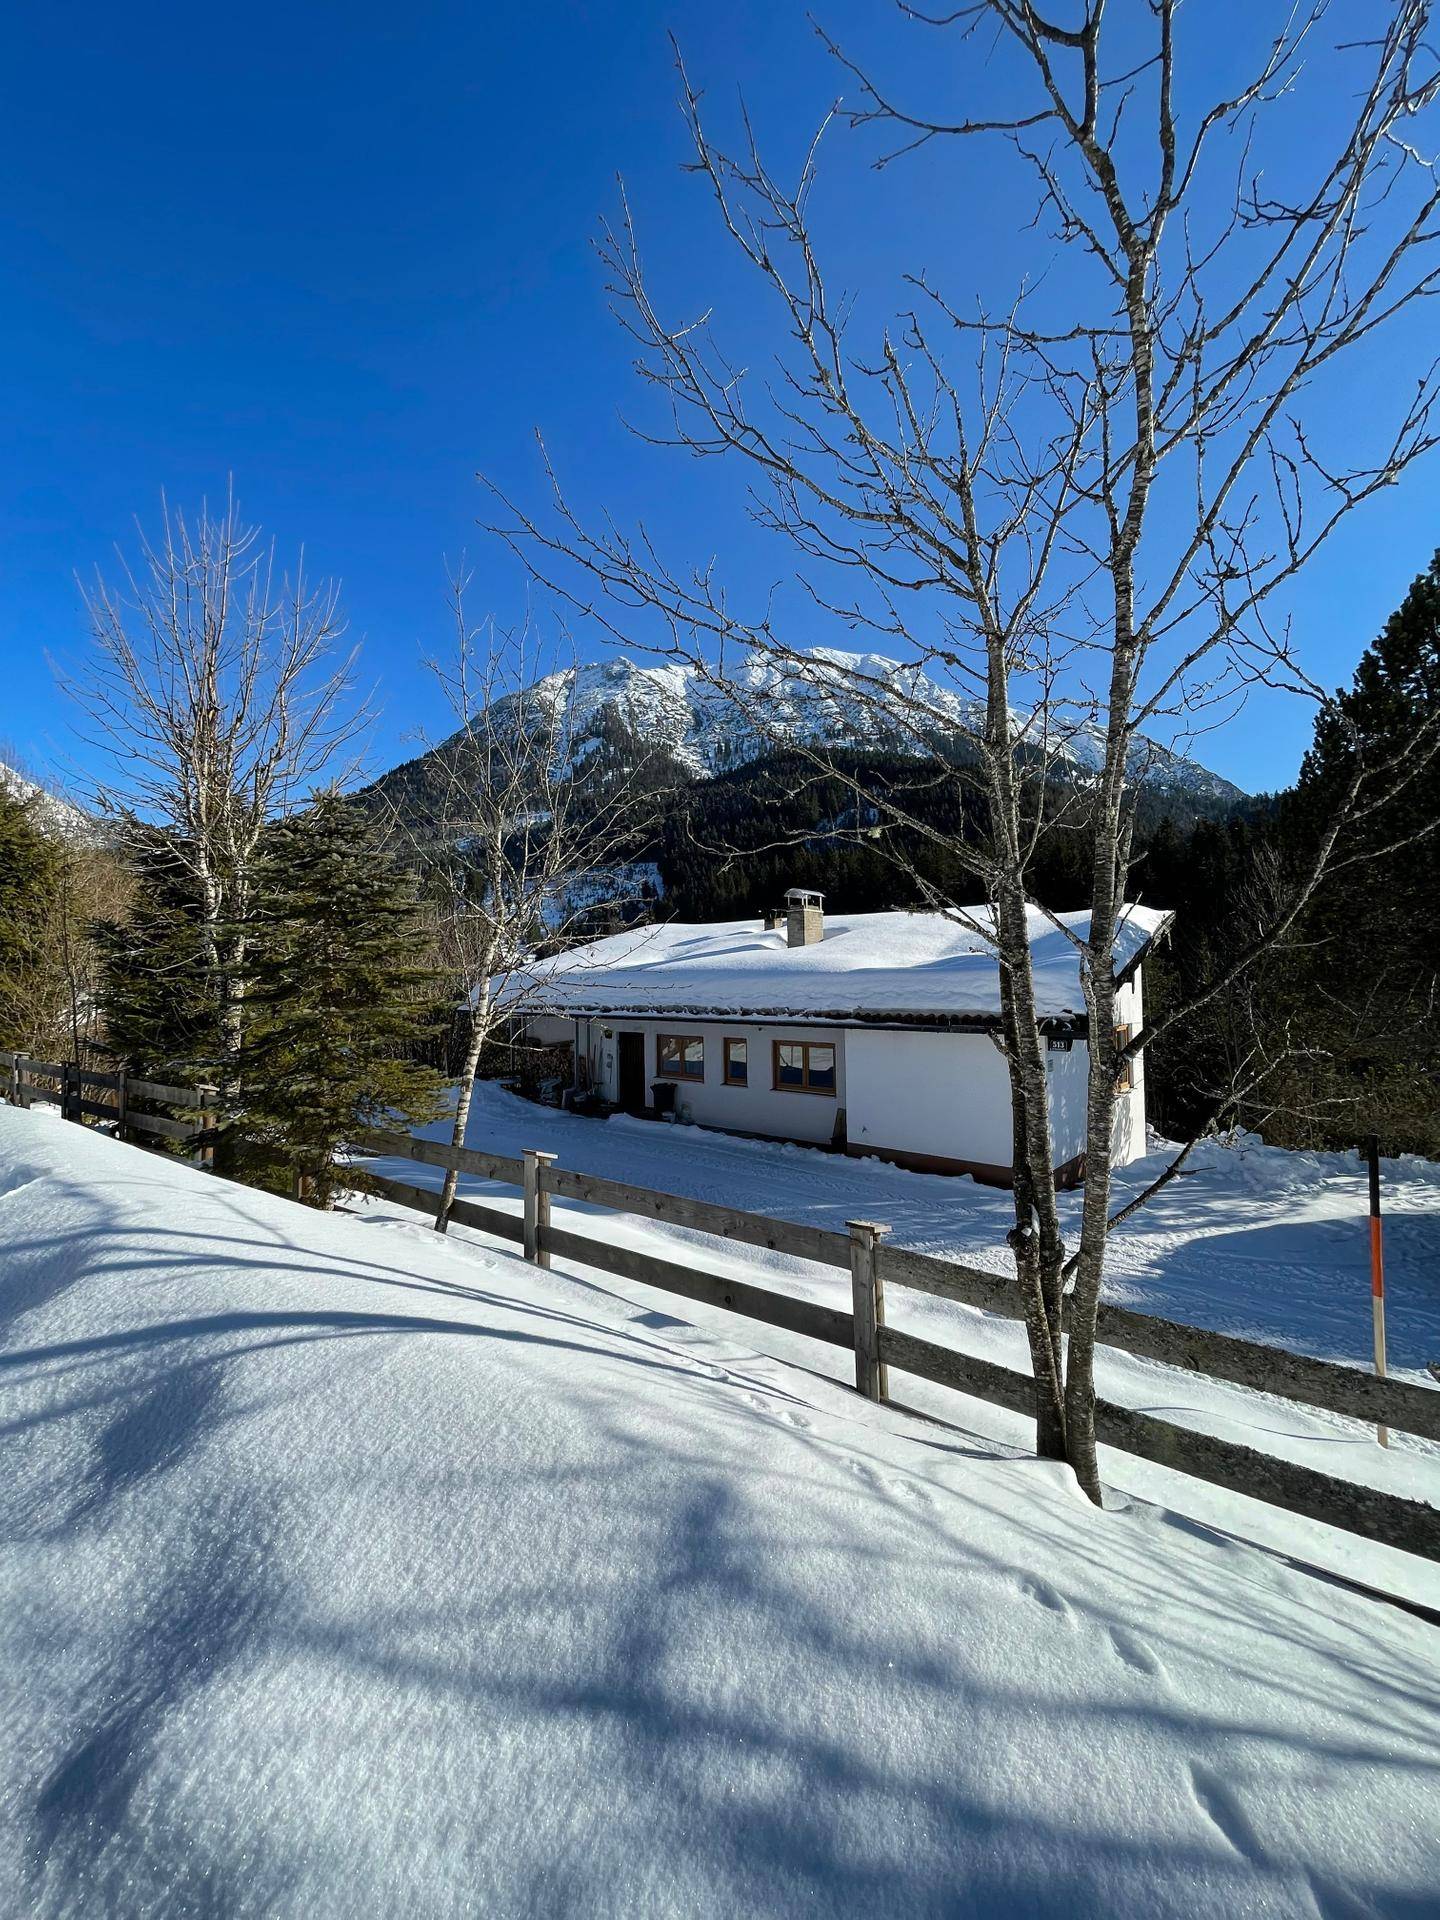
(1318, 1276)
(671, 1695)
(106, 1839)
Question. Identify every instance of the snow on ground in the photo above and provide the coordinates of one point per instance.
(344, 1571)
(1253, 1240)
(1258, 1242)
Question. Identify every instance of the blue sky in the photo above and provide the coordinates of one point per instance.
(344, 253)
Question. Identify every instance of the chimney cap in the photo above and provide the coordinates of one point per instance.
(803, 897)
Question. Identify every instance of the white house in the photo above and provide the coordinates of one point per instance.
(872, 1031)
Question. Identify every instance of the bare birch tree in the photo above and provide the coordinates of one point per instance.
(1072, 513)
(219, 694)
(520, 834)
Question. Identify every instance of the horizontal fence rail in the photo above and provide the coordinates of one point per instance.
(727, 1223)
(1389, 1518)
(873, 1264)
(430, 1153)
(1327, 1384)
(505, 1226)
(82, 1093)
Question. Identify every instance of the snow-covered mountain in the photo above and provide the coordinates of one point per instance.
(828, 698)
(54, 814)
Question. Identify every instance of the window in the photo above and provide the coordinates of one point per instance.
(737, 1063)
(679, 1056)
(1125, 1072)
(802, 1066)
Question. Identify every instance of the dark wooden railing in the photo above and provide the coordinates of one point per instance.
(874, 1265)
(120, 1098)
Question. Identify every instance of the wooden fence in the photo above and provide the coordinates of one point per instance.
(118, 1097)
(873, 1265)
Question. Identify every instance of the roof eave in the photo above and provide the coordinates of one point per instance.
(1132, 965)
(930, 1021)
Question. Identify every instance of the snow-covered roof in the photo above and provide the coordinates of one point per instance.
(867, 967)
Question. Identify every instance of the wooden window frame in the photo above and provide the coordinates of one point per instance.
(1125, 1071)
(807, 1047)
(680, 1040)
(744, 1080)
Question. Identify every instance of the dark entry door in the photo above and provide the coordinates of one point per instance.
(632, 1071)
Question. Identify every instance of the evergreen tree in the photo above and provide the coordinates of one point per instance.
(32, 976)
(158, 999)
(1374, 970)
(339, 1005)
(1342, 1021)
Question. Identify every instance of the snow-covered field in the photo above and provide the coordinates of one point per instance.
(1257, 1242)
(344, 1571)
(1251, 1240)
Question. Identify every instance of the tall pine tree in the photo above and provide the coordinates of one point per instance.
(32, 978)
(340, 1004)
(158, 998)
(1336, 1032)
(1374, 967)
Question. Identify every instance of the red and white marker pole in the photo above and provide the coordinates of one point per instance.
(1377, 1268)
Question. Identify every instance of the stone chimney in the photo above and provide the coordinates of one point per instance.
(804, 917)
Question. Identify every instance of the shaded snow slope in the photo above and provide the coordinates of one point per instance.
(1266, 1244)
(347, 1573)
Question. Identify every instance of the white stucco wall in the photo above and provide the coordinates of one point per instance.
(945, 1094)
(1128, 1134)
(550, 1030)
(949, 1095)
(1067, 1074)
(757, 1107)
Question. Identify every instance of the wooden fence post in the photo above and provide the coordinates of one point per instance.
(872, 1376)
(12, 1092)
(206, 1156)
(67, 1092)
(537, 1208)
(1377, 1267)
(120, 1103)
(22, 1091)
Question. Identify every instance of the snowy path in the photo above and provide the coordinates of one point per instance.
(346, 1572)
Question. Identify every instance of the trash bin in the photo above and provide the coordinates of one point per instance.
(662, 1096)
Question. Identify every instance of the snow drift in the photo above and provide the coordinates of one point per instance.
(345, 1572)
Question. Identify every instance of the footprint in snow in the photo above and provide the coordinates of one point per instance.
(1044, 1595)
(1135, 1653)
(905, 1490)
(1225, 1813)
(872, 1479)
(763, 1404)
(1221, 1806)
(911, 1491)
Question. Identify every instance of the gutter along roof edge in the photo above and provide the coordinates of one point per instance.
(932, 1021)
